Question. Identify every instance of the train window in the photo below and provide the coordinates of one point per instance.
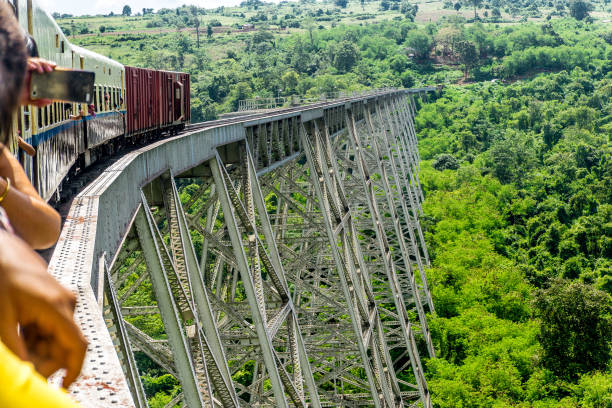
(96, 98)
(62, 47)
(100, 98)
(40, 118)
(56, 40)
(26, 117)
(82, 62)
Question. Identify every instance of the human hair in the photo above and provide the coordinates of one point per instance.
(13, 63)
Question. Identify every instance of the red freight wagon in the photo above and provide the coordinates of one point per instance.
(174, 101)
(142, 111)
(156, 100)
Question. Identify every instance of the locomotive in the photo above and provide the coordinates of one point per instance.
(130, 105)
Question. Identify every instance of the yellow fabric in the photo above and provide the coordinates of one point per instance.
(22, 387)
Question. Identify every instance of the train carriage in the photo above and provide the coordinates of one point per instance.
(128, 101)
(156, 100)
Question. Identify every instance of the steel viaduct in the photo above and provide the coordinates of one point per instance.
(307, 271)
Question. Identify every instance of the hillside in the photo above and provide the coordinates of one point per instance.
(517, 163)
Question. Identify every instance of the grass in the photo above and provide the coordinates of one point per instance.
(115, 44)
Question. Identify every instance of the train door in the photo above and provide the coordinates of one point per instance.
(169, 100)
(150, 86)
(179, 109)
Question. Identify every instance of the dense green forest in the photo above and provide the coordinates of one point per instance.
(518, 183)
(517, 164)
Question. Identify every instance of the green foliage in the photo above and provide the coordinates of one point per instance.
(576, 328)
(579, 9)
(527, 203)
(164, 383)
(445, 161)
(346, 55)
(420, 42)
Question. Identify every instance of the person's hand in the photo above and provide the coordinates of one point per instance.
(41, 66)
(42, 308)
(26, 147)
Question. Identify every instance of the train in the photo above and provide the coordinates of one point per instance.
(131, 105)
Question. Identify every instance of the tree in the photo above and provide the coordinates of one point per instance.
(457, 7)
(196, 23)
(309, 24)
(476, 4)
(362, 5)
(407, 79)
(341, 3)
(290, 81)
(446, 161)
(209, 31)
(409, 10)
(576, 326)
(398, 63)
(579, 9)
(448, 37)
(346, 56)
(420, 42)
(127, 10)
(468, 55)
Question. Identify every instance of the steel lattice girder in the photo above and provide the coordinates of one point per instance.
(290, 286)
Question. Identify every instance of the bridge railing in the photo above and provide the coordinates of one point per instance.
(295, 100)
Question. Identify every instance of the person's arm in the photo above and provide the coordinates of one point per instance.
(37, 321)
(32, 218)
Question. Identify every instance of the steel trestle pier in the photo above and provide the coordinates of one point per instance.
(268, 260)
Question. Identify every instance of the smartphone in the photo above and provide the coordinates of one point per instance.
(63, 85)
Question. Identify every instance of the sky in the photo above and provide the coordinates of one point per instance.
(79, 7)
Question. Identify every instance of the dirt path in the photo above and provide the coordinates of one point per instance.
(216, 30)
